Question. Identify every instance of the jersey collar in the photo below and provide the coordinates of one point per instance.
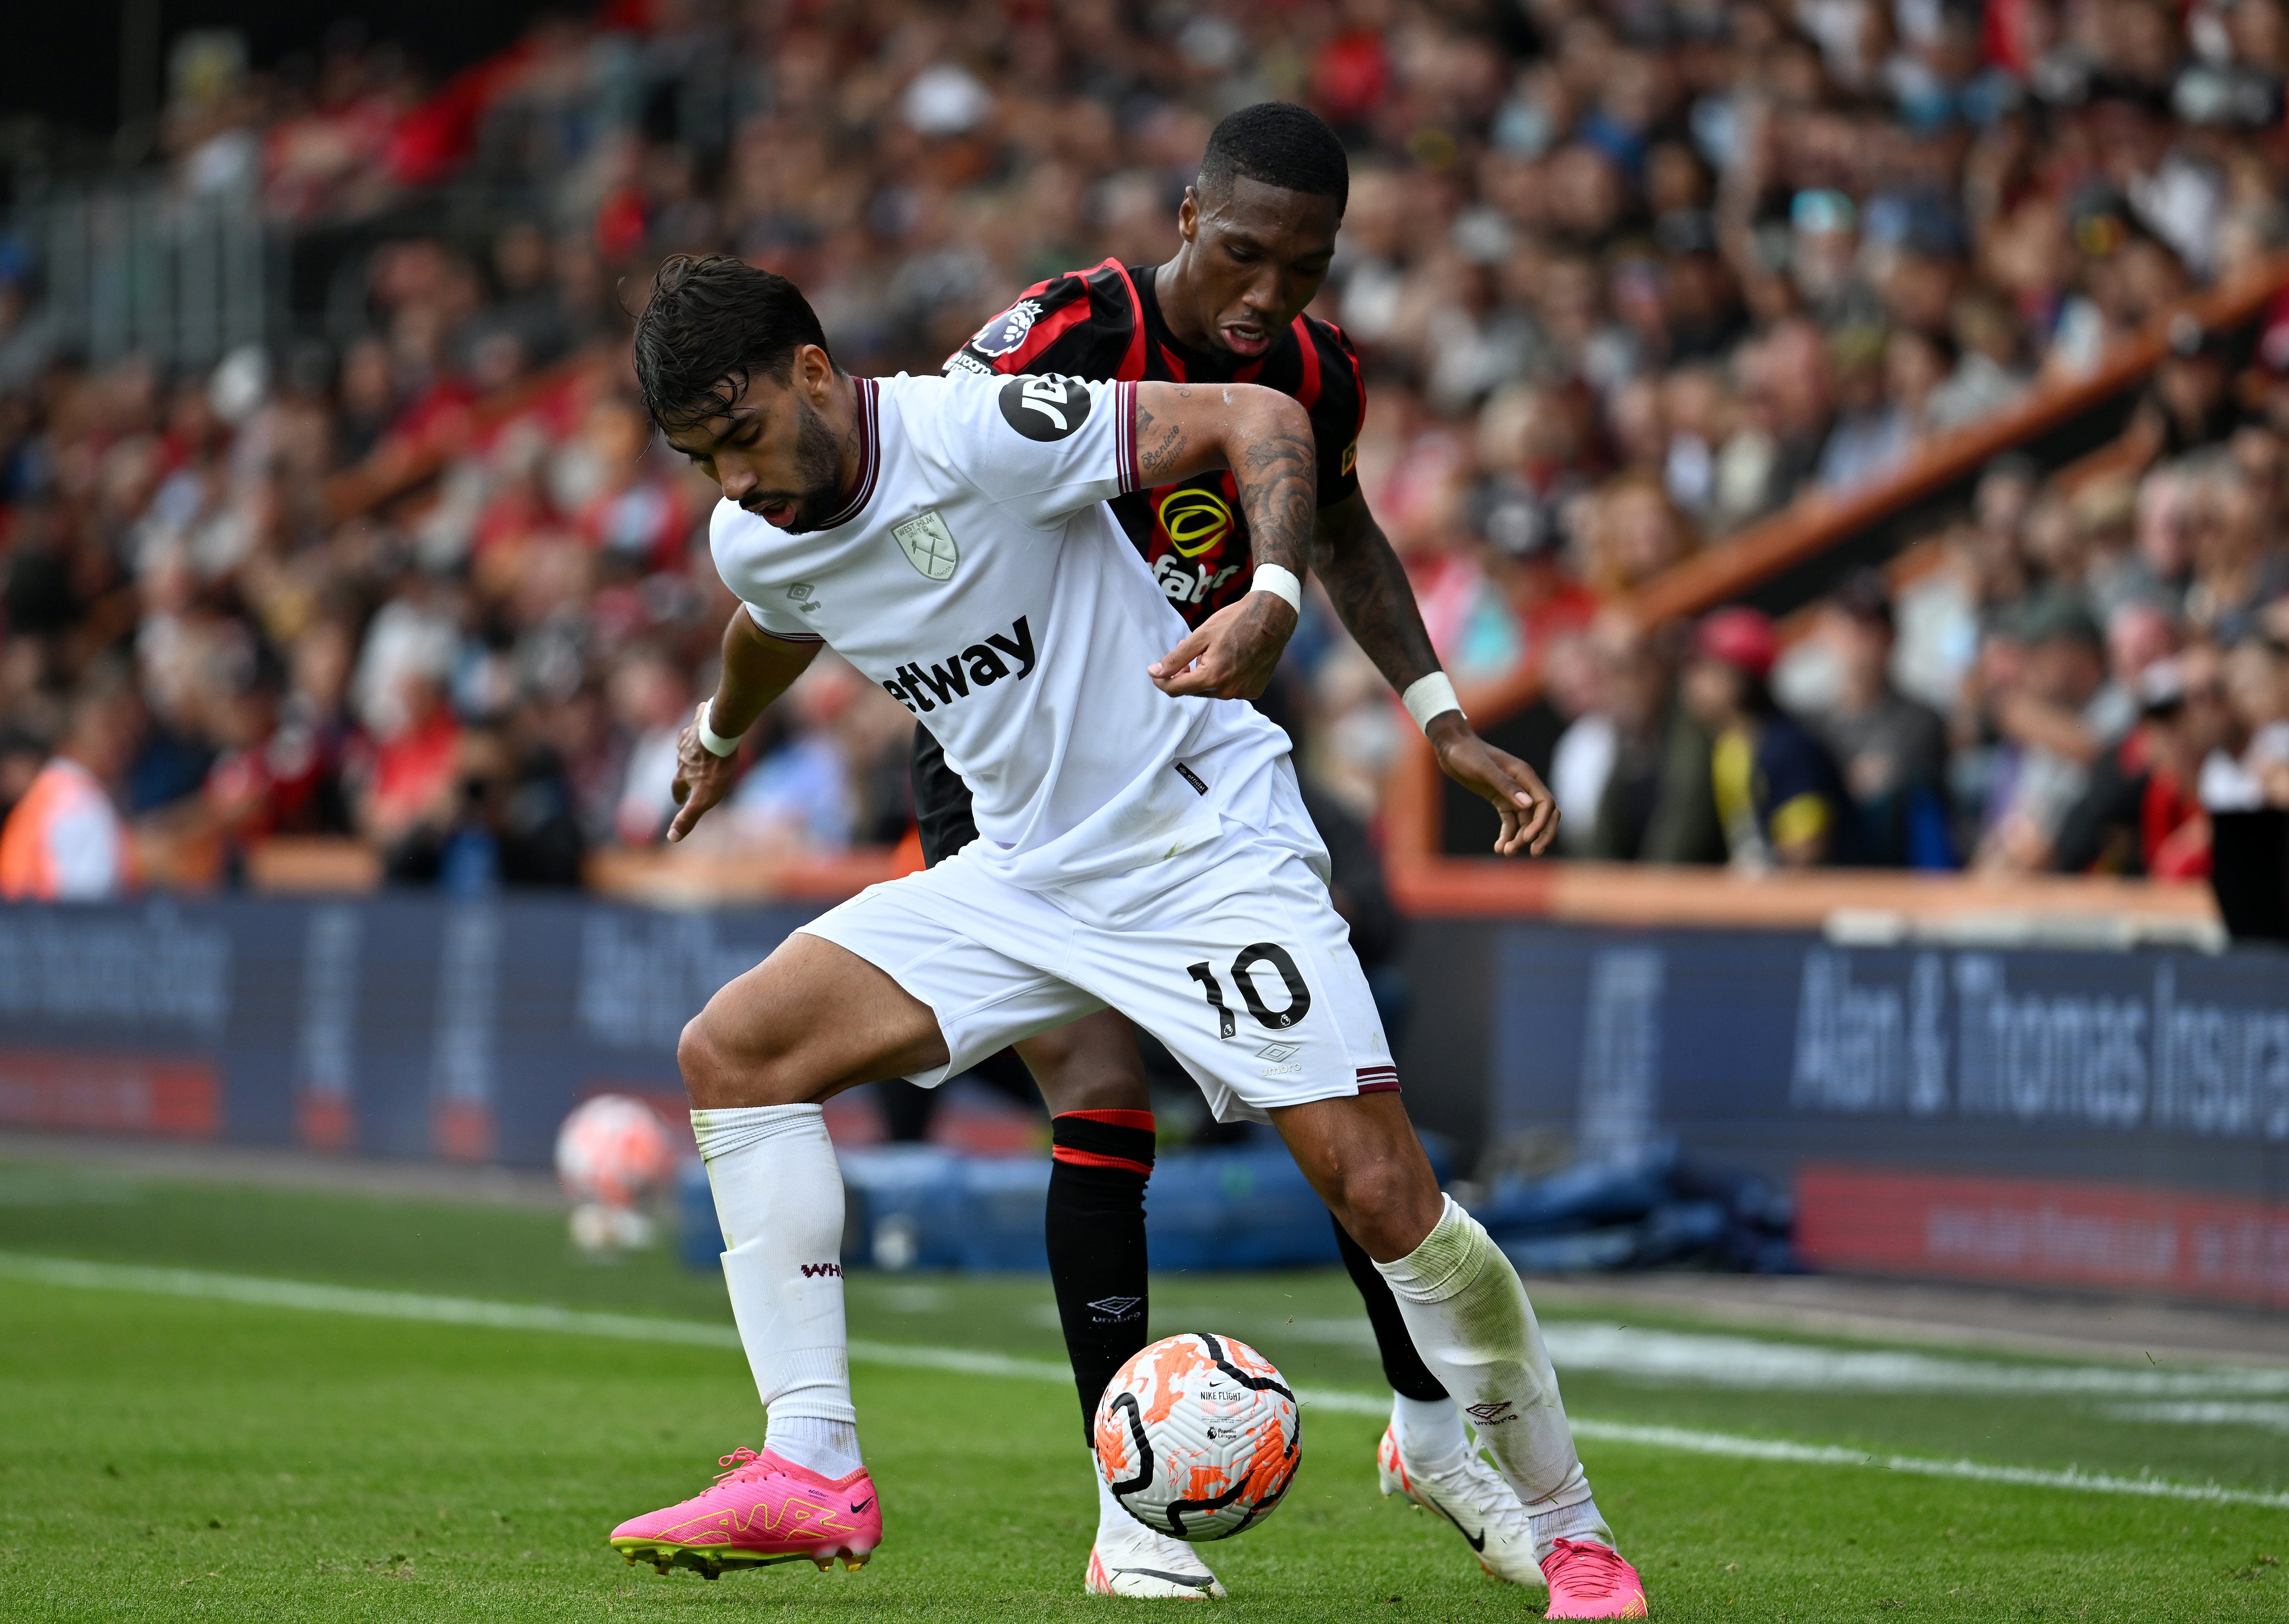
(869, 456)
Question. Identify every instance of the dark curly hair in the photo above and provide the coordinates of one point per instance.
(1278, 143)
(712, 325)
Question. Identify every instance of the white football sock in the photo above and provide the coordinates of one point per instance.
(828, 1447)
(778, 1196)
(1466, 1309)
(1430, 1431)
(1576, 1522)
(1113, 1517)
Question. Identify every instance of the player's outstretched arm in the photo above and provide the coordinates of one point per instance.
(1372, 595)
(757, 669)
(1266, 439)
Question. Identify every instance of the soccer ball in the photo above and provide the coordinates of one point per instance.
(1198, 1436)
(611, 1153)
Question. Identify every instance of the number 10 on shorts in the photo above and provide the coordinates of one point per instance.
(1270, 953)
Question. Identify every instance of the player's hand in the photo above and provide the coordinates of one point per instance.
(702, 777)
(1529, 812)
(1232, 654)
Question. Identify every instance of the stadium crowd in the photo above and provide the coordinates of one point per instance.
(1625, 278)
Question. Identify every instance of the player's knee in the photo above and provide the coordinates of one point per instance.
(724, 1066)
(699, 1057)
(1370, 1185)
(719, 1073)
(1388, 1202)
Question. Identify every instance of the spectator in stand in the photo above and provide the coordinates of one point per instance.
(2188, 404)
(801, 793)
(1892, 750)
(1576, 712)
(304, 758)
(2249, 768)
(503, 814)
(2239, 566)
(1988, 375)
(651, 703)
(1657, 801)
(2192, 722)
(2046, 698)
(1780, 800)
(2139, 815)
(1636, 531)
(410, 788)
(1873, 430)
(1790, 388)
(369, 399)
(65, 839)
(1525, 554)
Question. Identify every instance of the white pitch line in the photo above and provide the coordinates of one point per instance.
(1689, 1358)
(1973, 1471)
(261, 1292)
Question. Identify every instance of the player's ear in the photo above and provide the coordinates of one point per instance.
(814, 371)
(1188, 214)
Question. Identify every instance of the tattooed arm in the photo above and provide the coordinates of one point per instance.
(1371, 592)
(1266, 439)
(1376, 603)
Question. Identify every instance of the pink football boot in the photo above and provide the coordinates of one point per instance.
(762, 1509)
(1589, 1582)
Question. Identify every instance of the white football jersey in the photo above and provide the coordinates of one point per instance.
(976, 573)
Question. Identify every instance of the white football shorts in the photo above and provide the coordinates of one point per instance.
(1244, 970)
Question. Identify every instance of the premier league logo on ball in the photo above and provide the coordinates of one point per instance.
(1005, 332)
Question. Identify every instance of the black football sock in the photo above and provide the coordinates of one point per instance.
(1402, 1367)
(1097, 1243)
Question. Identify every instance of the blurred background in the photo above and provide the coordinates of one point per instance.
(1839, 442)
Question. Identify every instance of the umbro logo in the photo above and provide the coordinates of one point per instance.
(811, 1270)
(1493, 1415)
(924, 687)
(1115, 1308)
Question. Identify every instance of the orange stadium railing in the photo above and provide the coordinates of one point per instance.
(1818, 523)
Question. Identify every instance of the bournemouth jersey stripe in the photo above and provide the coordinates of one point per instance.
(1132, 364)
(1307, 390)
(1043, 333)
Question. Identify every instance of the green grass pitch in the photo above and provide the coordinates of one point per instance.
(171, 1457)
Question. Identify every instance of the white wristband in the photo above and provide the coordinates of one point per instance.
(714, 742)
(1429, 697)
(1280, 584)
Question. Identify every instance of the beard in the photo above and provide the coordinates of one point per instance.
(818, 464)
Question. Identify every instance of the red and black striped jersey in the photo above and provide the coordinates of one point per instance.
(1105, 322)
